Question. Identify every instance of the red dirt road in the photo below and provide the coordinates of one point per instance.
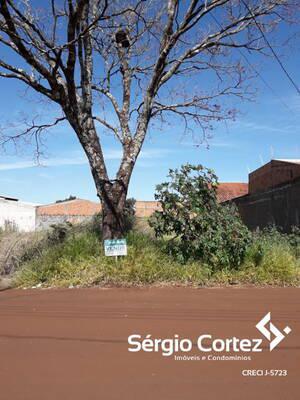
(72, 344)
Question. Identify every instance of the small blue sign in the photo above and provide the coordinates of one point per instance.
(115, 247)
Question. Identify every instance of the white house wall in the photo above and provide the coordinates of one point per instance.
(21, 214)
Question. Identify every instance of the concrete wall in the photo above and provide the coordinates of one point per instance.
(45, 221)
(22, 215)
(279, 206)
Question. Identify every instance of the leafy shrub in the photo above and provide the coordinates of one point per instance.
(71, 197)
(129, 215)
(129, 218)
(196, 225)
(58, 233)
(95, 225)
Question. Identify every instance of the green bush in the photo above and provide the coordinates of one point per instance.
(95, 225)
(129, 219)
(129, 215)
(197, 227)
(58, 233)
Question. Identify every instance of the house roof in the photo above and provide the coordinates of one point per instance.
(77, 207)
(8, 198)
(230, 190)
(287, 160)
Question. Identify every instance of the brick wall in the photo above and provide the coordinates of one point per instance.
(279, 206)
(273, 174)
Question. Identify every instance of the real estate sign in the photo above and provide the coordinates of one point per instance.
(115, 247)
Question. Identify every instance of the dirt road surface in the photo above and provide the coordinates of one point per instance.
(73, 344)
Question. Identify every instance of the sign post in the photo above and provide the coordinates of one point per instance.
(115, 247)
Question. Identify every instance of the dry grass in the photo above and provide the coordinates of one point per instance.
(14, 247)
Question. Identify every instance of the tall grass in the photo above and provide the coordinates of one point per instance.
(272, 259)
(79, 260)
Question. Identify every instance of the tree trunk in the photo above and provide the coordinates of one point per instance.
(111, 192)
(113, 214)
(112, 222)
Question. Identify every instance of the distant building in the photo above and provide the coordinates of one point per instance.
(230, 190)
(73, 211)
(273, 174)
(26, 217)
(17, 215)
(80, 210)
(274, 196)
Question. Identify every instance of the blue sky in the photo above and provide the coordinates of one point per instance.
(267, 128)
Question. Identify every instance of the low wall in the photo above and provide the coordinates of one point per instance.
(45, 221)
(20, 215)
(279, 206)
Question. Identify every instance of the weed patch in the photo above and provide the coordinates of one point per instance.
(80, 261)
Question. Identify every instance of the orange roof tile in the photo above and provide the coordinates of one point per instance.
(230, 190)
(72, 207)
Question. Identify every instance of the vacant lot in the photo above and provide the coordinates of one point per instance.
(72, 343)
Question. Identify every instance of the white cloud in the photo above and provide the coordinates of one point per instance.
(46, 163)
(78, 160)
(16, 165)
(282, 126)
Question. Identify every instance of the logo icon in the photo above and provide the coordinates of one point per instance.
(278, 335)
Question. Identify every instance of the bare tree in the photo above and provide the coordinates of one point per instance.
(140, 62)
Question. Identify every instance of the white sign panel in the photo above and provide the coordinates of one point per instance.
(115, 247)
